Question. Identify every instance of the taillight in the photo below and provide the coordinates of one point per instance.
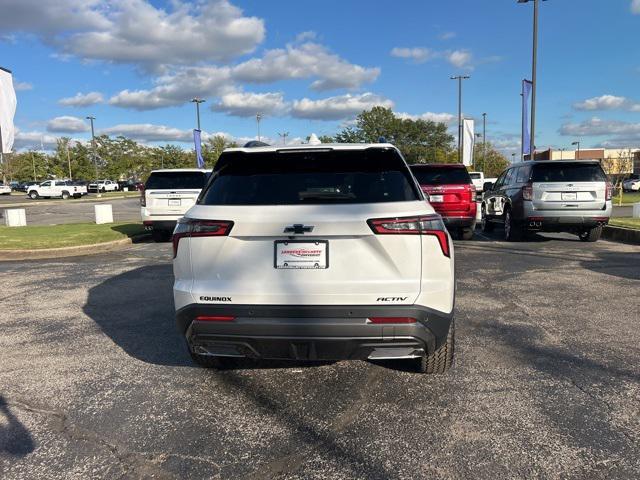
(474, 193)
(609, 191)
(527, 192)
(215, 318)
(143, 198)
(424, 225)
(396, 320)
(190, 228)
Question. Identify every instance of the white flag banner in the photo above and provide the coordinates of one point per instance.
(469, 139)
(7, 110)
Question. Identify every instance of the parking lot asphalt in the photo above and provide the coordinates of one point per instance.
(95, 381)
(56, 212)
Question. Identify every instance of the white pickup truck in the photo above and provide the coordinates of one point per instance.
(104, 186)
(56, 189)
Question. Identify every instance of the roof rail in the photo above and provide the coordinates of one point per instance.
(255, 144)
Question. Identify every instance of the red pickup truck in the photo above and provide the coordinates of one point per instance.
(451, 193)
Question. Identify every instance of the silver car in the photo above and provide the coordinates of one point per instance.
(550, 196)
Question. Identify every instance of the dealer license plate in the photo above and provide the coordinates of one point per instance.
(570, 196)
(311, 254)
(436, 198)
(174, 202)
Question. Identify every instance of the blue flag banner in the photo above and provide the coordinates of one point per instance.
(526, 135)
(198, 145)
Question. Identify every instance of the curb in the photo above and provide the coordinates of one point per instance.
(48, 253)
(621, 234)
(33, 203)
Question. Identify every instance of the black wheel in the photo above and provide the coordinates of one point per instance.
(486, 224)
(591, 235)
(512, 231)
(467, 233)
(65, 195)
(33, 195)
(160, 236)
(441, 360)
(102, 190)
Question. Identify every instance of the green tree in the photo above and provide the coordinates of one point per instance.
(214, 147)
(494, 163)
(420, 141)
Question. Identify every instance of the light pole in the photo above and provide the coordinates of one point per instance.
(562, 154)
(258, 118)
(459, 78)
(513, 158)
(578, 153)
(534, 82)
(93, 148)
(69, 162)
(198, 101)
(484, 141)
(284, 136)
(33, 163)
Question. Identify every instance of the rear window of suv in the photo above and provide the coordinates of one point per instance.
(175, 180)
(434, 175)
(304, 177)
(568, 172)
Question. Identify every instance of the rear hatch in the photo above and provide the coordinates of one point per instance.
(568, 186)
(173, 192)
(300, 234)
(450, 189)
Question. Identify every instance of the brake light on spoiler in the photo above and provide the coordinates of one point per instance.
(191, 228)
(423, 225)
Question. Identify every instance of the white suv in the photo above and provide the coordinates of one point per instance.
(314, 252)
(166, 196)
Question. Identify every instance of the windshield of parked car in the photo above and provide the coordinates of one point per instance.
(568, 172)
(433, 175)
(475, 176)
(310, 177)
(175, 180)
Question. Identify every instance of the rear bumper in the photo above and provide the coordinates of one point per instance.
(158, 222)
(460, 222)
(312, 332)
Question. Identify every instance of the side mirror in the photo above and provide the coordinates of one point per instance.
(487, 186)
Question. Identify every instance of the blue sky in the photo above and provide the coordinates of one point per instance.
(311, 66)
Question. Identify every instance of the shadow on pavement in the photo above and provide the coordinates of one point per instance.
(134, 231)
(617, 264)
(15, 439)
(135, 309)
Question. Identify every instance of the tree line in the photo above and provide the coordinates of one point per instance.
(420, 141)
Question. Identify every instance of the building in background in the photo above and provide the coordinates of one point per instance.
(615, 161)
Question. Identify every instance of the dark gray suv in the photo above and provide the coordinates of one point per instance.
(550, 196)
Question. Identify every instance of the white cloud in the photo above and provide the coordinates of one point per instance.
(137, 32)
(147, 132)
(598, 127)
(460, 58)
(339, 107)
(177, 88)
(635, 7)
(608, 102)
(22, 86)
(67, 124)
(82, 99)
(447, 118)
(309, 60)
(447, 35)
(247, 104)
(34, 140)
(417, 54)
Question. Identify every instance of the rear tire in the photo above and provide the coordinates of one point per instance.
(486, 224)
(591, 235)
(467, 233)
(160, 236)
(441, 360)
(512, 231)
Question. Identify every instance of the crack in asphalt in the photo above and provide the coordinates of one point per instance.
(133, 463)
